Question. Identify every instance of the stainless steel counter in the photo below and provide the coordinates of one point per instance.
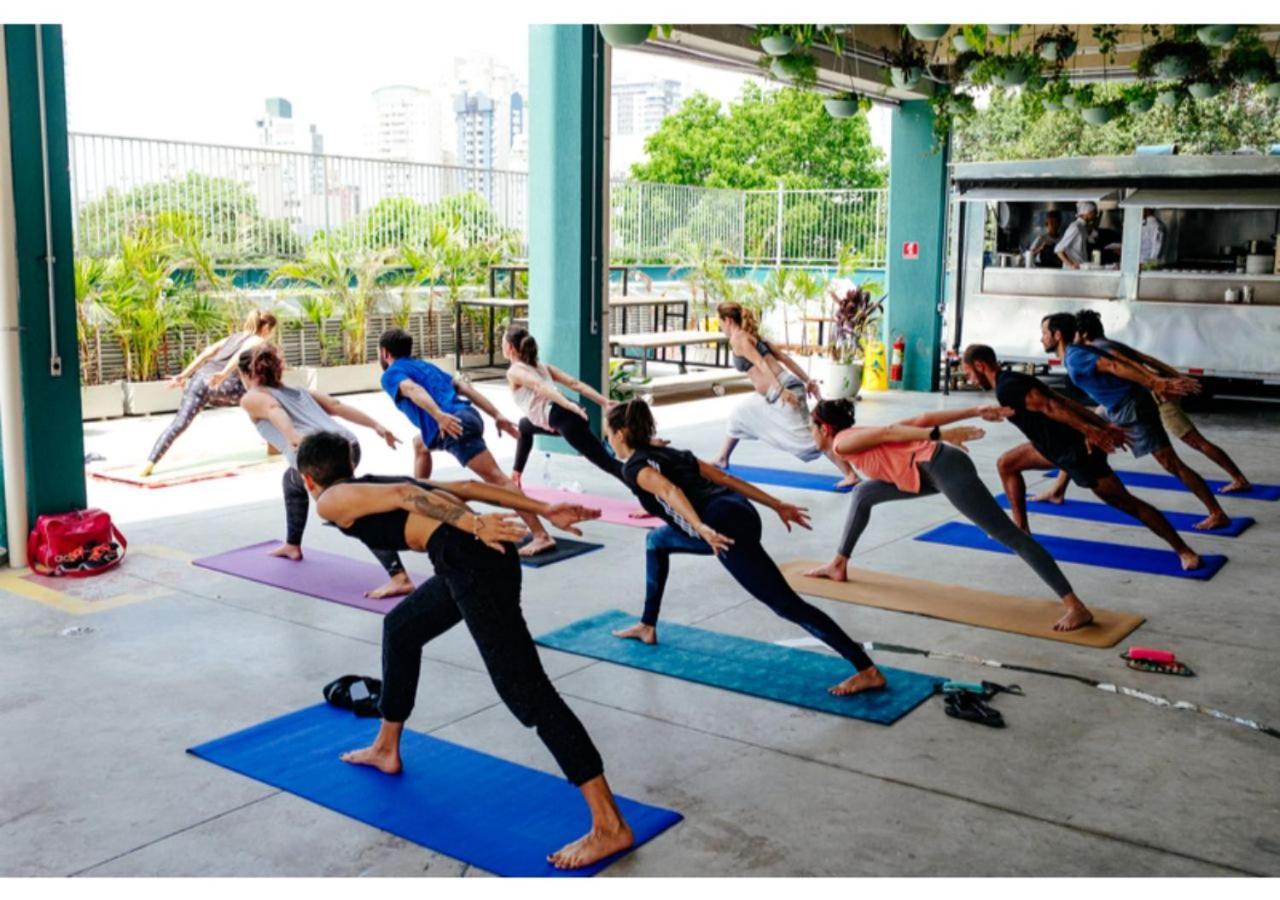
(1197, 287)
(1100, 283)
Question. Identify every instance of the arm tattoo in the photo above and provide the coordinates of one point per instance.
(425, 505)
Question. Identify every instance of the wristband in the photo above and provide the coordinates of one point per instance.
(774, 393)
(936, 433)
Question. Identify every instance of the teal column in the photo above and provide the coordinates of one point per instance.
(917, 215)
(567, 184)
(50, 368)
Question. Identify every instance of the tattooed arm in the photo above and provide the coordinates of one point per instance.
(343, 504)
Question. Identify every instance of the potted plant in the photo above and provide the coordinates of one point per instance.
(775, 40)
(1094, 109)
(1139, 96)
(1205, 84)
(969, 39)
(1249, 61)
(855, 315)
(1056, 46)
(927, 32)
(97, 400)
(1013, 69)
(843, 105)
(1054, 93)
(625, 35)
(1273, 90)
(798, 69)
(1003, 30)
(1216, 35)
(1172, 59)
(1170, 94)
(966, 65)
(948, 107)
(906, 64)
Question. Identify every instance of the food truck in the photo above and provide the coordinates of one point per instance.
(1181, 259)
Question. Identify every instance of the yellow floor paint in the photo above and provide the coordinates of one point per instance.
(81, 596)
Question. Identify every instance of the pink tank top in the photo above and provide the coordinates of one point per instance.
(894, 462)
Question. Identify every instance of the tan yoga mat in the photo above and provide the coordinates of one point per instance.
(1000, 612)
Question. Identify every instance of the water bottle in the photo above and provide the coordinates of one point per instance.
(546, 470)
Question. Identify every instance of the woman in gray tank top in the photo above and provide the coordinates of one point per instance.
(211, 380)
(284, 416)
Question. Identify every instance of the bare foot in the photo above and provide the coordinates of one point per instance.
(1217, 520)
(592, 847)
(1239, 484)
(645, 634)
(866, 680)
(398, 586)
(386, 761)
(146, 470)
(1049, 496)
(288, 551)
(849, 480)
(1189, 559)
(538, 545)
(831, 571)
(1077, 616)
(721, 463)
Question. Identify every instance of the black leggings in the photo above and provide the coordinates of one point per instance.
(197, 396)
(733, 516)
(297, 503)
(480, 586)
(574, 429)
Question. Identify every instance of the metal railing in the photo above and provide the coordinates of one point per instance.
(256, 204)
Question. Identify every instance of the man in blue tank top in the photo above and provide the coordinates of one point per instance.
(443, 409)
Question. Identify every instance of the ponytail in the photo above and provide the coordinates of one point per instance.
(741, 316)
(634, 421)
(524, 344)
(263, 364)
(835, 414)
(254, 322)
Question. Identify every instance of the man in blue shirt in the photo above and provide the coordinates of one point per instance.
(441, 407)
(1125, 390)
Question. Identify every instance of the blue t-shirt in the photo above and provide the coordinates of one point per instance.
(1107, 389)
(434, 380)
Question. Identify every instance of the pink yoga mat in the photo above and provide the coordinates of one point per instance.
(613, 510)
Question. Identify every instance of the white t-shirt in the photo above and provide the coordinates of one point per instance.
(1075, 242)
(535, 406)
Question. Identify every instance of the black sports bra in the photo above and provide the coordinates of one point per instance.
(742, 364)
(385, 530)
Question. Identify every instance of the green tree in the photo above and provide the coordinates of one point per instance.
(1010, 127)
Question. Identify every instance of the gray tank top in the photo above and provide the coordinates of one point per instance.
(304, 414)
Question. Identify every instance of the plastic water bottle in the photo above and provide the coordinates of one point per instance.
(546, 470)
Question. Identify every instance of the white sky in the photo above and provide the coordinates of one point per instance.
(143, 77)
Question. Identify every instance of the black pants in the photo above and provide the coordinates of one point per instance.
(197, 396)
(733, 516)
(479, 586)
(297, 503)
(574, 429)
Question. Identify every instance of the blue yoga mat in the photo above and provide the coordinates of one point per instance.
(784, 674)
(565, 548)
(1088, 553)
(496, 815)
(1101, 512)
(809, 481)
(1162, 482)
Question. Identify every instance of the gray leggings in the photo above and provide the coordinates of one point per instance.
(951, 473)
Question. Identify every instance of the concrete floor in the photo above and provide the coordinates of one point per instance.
(95, 722)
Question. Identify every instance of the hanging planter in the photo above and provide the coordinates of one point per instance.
(842, 106)
(1056, 46)
(1069, 101)
(1204, 89)
(1098, 115)
(1013, 72)
(625, 35)
(1216, 35)
(1273, 90)
(1139, 96)
(1003, 30)
(1054, 92)
(961, 43)
(797, 69)
(1172, 60)
(927, 32)
(1170, 96)
(905, 79)
(777, 44)
(906, 64)
(1249, 62)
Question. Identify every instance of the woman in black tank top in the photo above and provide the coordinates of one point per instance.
(477, 580)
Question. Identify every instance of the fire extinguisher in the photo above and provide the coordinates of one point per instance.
(895, 366)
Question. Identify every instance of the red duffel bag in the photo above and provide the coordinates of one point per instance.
(78, 544)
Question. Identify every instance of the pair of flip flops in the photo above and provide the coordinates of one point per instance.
(967, 700)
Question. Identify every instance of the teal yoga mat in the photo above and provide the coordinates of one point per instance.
(783, 674)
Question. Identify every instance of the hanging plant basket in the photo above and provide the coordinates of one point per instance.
(841, 107)
(1141, 104)
(1216, 35)
(1003, 30)
(1097, 115)
(1014, 72)
(906, 79)
(1056, 46)
(1273, 90)
(961, 43)
(777, 44)
(1070, 102)
(625, 35)
(1170, 96)
(1173, 67)
(1204, 90)
(927, 32)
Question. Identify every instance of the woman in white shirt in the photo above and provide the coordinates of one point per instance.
(548, 411)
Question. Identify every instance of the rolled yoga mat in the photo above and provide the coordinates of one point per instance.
(1090, 553)
(1164, 482)
(1102, 512)
(493, 814)
(613, 510)
(783, 674)
(984, 609)
(808, 481)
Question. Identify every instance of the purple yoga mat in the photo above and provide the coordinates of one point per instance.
(327, 576)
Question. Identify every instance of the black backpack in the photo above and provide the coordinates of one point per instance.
(338, 693)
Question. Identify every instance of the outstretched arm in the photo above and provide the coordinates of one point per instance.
(990, 413)
(563, 515)
(518, 378)
(225, 372)
(1096, 430)
(577, 384)
(419, 397)
(660, 486)
(856, 440)
(786, 511)
(1160, 367)
(786, 360)
(344, 503)
(502, 422)
(1123, 368)
(351, 414)
(205, 355)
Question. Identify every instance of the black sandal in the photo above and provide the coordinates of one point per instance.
(972, 708)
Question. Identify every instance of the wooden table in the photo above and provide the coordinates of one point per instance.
(490, 303)
(512, 270)
(657, 340)
(663, 311)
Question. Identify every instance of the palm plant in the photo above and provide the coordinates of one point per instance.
(90, 281)
(350, 283)
(318, 310)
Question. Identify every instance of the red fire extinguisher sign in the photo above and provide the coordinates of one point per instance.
(910, 249)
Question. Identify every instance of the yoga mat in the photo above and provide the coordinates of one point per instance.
(1102, 512)
(188, 474)
(809, 481)
(984, 609)
(496, 815)
(797, 677)
(1164, 482)
(1089, 553)
(325, 576)
(564, 549)
(612, 510)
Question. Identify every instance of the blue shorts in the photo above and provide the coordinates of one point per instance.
(467, 445)
(1141, 423)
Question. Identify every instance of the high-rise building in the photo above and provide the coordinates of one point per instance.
(636, 111)
(275, 129)
(489, 128)
(407, 125)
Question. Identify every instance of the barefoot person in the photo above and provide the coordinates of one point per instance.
(440, 405)
(1089, 330)
(707, 512)
(477, 581)
(548, 411)
(284, 416)
(1063, 435)
(1125, 390)
(210, 380)
(918, 457)
(778, 412)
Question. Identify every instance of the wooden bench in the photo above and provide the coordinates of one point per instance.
(491, 304)
(646, 342)
(714, 379)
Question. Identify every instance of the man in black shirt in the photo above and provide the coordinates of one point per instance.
(1065, 435)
